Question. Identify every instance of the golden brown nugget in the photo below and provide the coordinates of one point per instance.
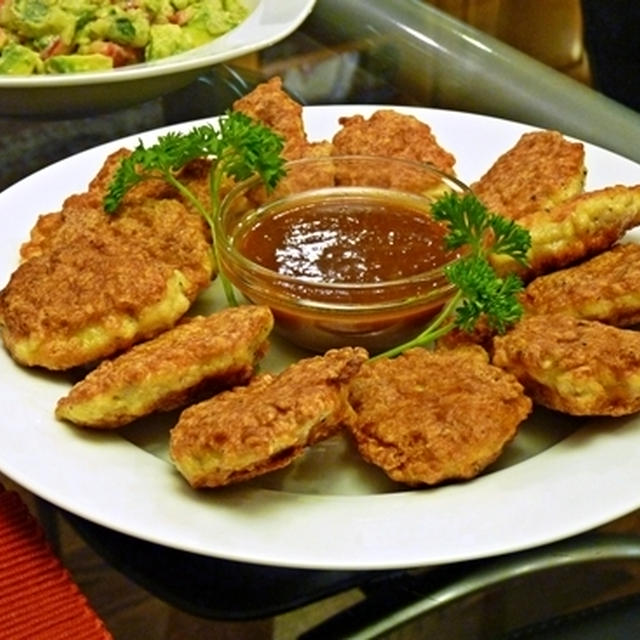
(83, 213)
(264, 426)
(272, 106)
(70, 307)
(542, 170)
(269, 104)
(194, 175)
(99, 184)
(80, 218)
(392, 134)
(82, 210)
(579, 367)
(578, 228)
(428, 417)
(99, 286)
(169, 234)
(201, 355)
(604, 288)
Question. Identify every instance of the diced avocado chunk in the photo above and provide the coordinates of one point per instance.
(165, 40)
(210, 20)
(160, 10)
(117, 25)
(19, 60)
(76, 62)
(38, 18)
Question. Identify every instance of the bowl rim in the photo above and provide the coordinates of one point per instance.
(260, 272)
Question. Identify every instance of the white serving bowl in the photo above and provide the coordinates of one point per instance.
(88, 93)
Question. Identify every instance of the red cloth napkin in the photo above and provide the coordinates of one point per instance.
(38, 597)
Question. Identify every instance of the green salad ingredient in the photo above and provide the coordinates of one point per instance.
(65, 36)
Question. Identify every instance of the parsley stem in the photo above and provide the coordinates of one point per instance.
(209, 216)
(215, 183)
(438, 327)
(187, 193)
(479, 291)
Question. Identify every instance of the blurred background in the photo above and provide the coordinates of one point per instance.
(592, 41)
(548, 30)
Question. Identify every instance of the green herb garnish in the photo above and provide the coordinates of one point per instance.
(479, 291)
(239, 148)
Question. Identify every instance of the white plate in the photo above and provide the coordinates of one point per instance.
(559, 477)
(66, 95)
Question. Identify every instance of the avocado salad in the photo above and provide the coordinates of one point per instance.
(65, 36)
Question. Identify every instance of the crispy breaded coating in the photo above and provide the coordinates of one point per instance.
(82, 214)
(194, 175)
(200, 356)
(264, 426)
(79, 216)
(70, 307)
(427, 417)
(99, 184)
(542, 170)
(171, 235)
(392, 134)
(481, 334)
(579, 367)
(604, 288)
(270, 104)
(578, 228)
(99, 284)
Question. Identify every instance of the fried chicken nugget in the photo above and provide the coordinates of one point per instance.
(201, 355)
(542, 170)
(270, 104)
(77, 219)
(578, 228)
(85, 210)
(264, 426)
(426, 417)
(579, 367)
(604, 288)
(154, 188)
(99, 284)
(392, 134)
(194, 175)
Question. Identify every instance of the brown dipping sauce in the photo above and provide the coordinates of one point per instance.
(363, 269)
(327, 241)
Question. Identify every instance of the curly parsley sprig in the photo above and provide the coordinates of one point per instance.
(479, 290)
(239, 148)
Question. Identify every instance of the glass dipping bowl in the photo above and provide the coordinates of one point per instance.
(319, 313)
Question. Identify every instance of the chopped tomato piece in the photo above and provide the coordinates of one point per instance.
(120, 54)
(55, 48)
